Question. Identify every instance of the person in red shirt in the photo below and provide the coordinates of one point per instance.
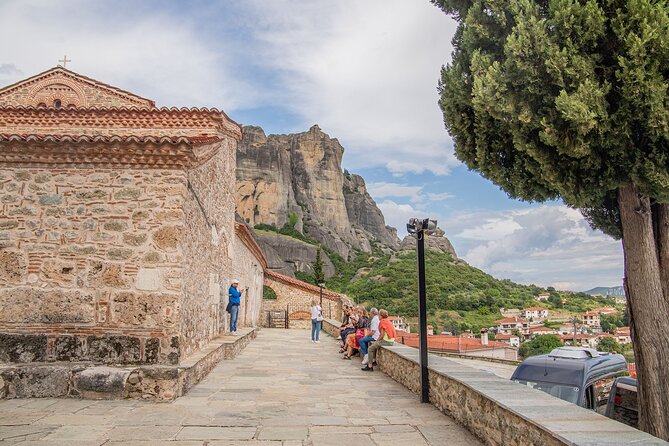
(386, 337)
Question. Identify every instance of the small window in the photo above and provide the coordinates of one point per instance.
(56, 103)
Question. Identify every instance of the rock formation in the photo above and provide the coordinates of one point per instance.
(297, 180)
(435, 242)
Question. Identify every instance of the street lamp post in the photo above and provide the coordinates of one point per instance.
(420, 228)
(321, 285)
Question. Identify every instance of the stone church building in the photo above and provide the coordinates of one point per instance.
(117, 225)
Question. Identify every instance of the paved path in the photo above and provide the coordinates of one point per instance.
(281, 390)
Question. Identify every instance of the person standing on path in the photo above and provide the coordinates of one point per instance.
(234, 299)
(316, 321)
(386, 337)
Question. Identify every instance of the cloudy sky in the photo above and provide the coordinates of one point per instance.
(366, 72)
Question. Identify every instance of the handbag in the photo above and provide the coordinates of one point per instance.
(228, 308)
(319, 318)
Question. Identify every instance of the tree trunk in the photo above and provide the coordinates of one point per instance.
(649, 310)
(661, 228)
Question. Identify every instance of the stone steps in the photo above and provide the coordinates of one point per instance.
(92, 381)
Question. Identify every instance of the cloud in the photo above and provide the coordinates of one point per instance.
(153, 52)
(546, 245)
(366, 72)
(402, 190)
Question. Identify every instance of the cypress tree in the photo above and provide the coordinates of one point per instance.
(568, 99)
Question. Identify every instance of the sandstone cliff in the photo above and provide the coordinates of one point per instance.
(297, 179)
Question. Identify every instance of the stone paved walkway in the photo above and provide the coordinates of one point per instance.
(281, 390)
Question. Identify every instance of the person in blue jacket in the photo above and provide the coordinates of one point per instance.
(234, 299)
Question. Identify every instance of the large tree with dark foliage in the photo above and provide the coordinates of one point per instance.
(568, 99)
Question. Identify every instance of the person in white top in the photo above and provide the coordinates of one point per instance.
(316, 321)
(374, 328)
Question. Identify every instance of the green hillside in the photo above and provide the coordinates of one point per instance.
(460, 297)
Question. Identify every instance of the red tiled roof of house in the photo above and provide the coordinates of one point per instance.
(245, 235)
(623, 331)
(505, 336)
(590, 313)
(542, 328)
(510, 320)
(448, 343)
(534, 309)
(328, 294)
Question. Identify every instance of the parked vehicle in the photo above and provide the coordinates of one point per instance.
(622, 405)
(581, 376)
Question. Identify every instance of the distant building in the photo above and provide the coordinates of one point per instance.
(537, 331)
(399, 323)
(512, 340)
(510, 324)
(623, 335)
(591, 319)
(582, 340)
(606, 310)
(542, 296)
(430, 330)
(534, 313)
(620, 300)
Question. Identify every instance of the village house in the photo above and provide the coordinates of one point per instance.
(606, 310)
(542, 296)
(537, 331)
(512, 340)
(510, 324)
(117, 223)
(591, 319)
(399, 323)
(534, 313)
(623, 335)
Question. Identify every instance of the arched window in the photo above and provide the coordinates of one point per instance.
(56, 103)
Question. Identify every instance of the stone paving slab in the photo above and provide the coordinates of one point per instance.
(282, 390)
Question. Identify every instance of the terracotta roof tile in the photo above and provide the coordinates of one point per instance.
(329, 294)
(192, 140)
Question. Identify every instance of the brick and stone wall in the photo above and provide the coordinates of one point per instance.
(206, 251)
(297, 300)
(113, 265)
(90, 264)
(501, 412)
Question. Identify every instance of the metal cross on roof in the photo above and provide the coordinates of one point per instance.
(65, 60)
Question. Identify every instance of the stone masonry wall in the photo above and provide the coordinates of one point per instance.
(501, 412)
(297, 301)
(247, 269)
(90, 264)
(208, 242)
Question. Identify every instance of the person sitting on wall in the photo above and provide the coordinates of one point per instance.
(351, 327)
(361, 328)
(372, 334)
(386, 337)
(234, 299)
(345, 325)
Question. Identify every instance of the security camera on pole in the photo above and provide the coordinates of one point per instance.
(419, 228)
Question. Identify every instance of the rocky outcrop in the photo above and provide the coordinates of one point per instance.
(363, 212)
(286, 255)
(297, 180)
(435, 242)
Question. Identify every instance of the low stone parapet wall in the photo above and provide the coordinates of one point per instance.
(91, 381)
(501, 412)
(331, 327)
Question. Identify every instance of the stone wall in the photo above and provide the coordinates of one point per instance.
(90, 264)
(501, 412)
(248, 270)
(209, 209)
(297, 300)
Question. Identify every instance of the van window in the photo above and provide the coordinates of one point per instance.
(602, 392)
(625, 406)
(562, 391)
